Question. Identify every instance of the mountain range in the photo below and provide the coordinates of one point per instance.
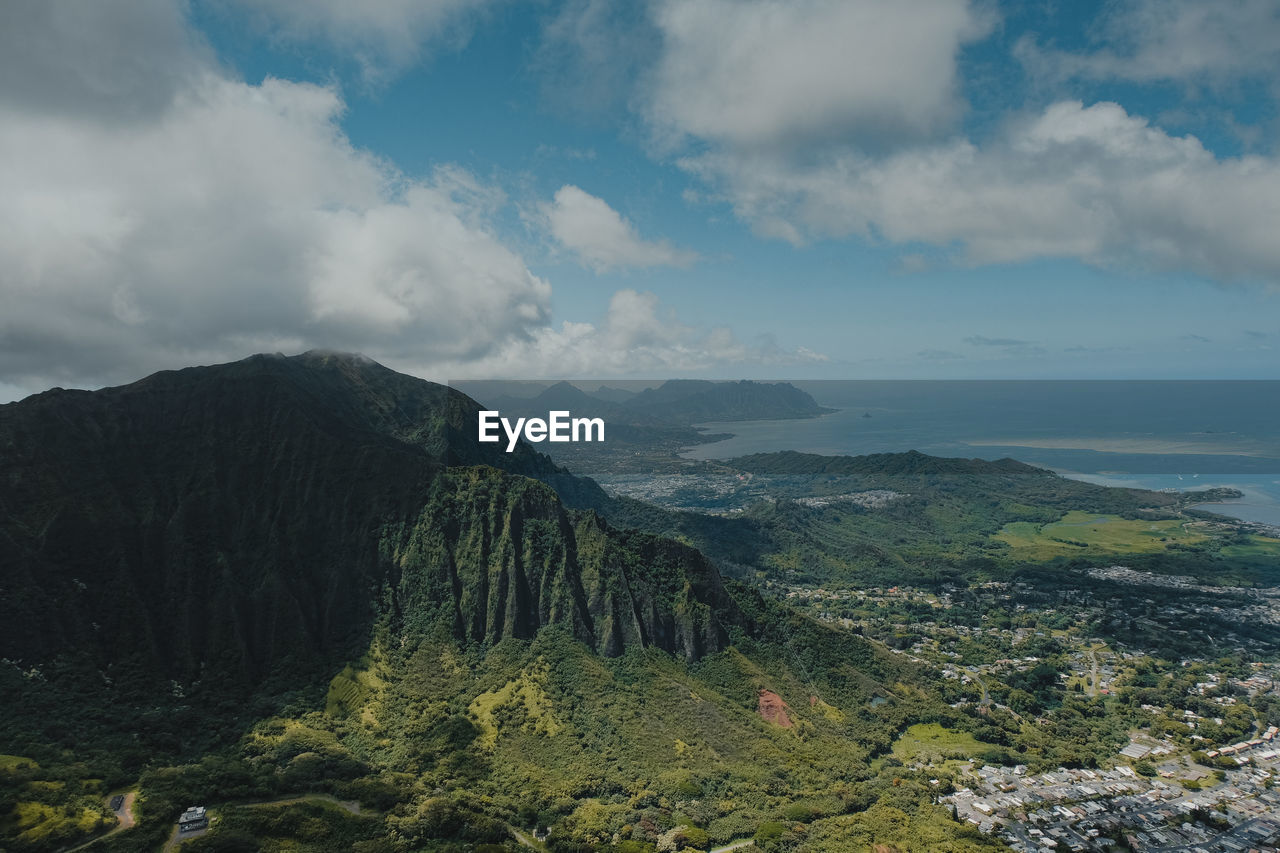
(304, 574)
(268, 511)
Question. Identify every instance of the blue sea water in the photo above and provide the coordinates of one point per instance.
(1185, 435)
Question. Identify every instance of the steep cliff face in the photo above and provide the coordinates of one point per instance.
(263, 515)
(494, 556)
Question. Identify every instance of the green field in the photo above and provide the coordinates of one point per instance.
(930, 741)
(1078, 532)
(13, 762)
(1258, 546)
(40, 825)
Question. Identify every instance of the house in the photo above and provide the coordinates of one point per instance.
(1135, 750)
(192, 819)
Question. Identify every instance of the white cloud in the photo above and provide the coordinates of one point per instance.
(200, 219)
(763, 74)
(636, 337)
(1092, 183)
(601, 238)
(830, 118)
(228, 218)
(382, 36)
(1181, 40)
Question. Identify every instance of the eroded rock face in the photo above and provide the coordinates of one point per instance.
(772, 709)
(495, 556)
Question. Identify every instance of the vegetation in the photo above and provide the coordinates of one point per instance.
(343, 624)
(931, 741)
(953, 521)
(1096, 534)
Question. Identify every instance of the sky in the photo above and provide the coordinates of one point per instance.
(723, 188)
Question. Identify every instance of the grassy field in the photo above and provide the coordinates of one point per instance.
(13, 762)
(40, 824)
(351, 688)
(930, 741)
(1258, 546)
(1083, 532)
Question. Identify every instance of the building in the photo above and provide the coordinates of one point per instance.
(192, 819)
(1135, 750)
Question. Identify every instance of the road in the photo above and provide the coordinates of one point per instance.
(174, 840)
(973, 671)
(124, 816)
(524, 839)
(1093, 683)
(734, 845)
(1237, 831)
(349, 806)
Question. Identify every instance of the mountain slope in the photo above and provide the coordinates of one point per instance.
(246, 517)
(237, 583)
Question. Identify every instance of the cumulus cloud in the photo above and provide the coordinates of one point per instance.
(1179, 40)
(1092, 183)
(833, 119)
(224, 218)
(239, 218)
(760, 74)
(638, 336)
(199, 218)
(601, 238)
(382, 36)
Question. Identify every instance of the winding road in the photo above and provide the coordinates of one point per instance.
(349, 806)
(124, 815)
(1093, 663)
(982, 685)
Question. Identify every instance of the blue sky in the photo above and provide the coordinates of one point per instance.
(851, 189)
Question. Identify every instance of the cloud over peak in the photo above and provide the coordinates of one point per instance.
(638, 336)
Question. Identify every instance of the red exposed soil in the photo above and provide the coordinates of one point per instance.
(773, 709)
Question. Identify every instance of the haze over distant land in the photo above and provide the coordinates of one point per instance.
(811, 189)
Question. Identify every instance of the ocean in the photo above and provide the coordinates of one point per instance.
(1185, 435)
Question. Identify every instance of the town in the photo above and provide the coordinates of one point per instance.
(1096, 810)
(1183, 754)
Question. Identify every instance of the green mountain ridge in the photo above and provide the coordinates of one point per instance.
(292, 577)
(252, 514)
